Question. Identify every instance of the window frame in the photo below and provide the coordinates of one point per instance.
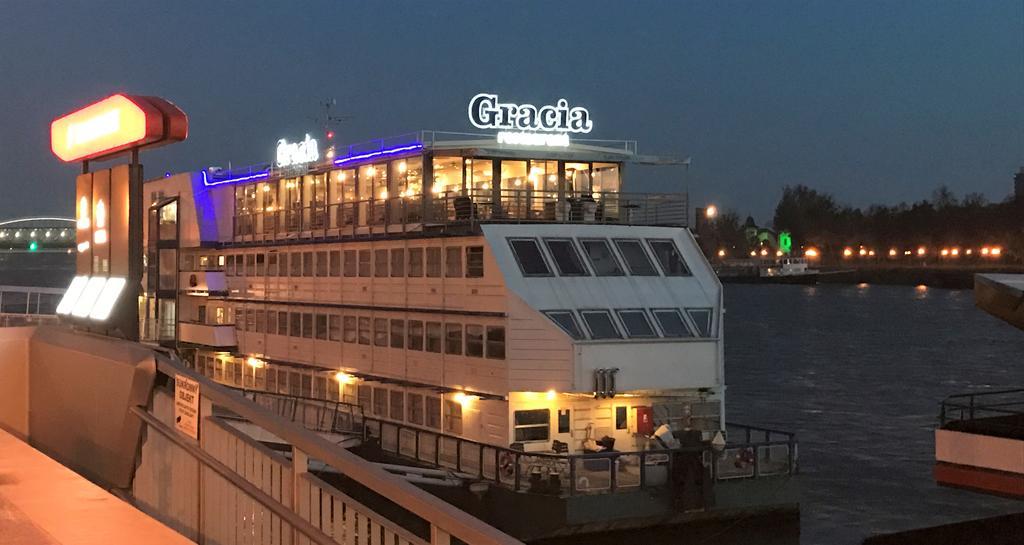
(682, 319)
(515, 255)
(611, 319)
(575, 321)
(643, 248)
(516, 427)
(696, 327)
(584, 271)
(647, 319)
(664, 270)
(611, 251)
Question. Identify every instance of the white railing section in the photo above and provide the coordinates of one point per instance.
(25, 305)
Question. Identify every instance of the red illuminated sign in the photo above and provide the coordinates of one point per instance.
(116, 124)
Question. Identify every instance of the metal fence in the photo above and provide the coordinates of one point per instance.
(23, 305)
(752, 452)
(1000, 412)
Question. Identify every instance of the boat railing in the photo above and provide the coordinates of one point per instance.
(752, 452)
(415, 212)
(25, 305)
(999, 412)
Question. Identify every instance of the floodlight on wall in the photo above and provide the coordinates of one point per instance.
(105, 302)
(74, 291)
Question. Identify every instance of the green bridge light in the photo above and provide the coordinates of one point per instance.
(33, 246)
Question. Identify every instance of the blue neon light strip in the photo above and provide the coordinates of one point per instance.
(392, 151)
(337, 162)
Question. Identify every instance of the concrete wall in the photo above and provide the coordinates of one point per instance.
(14, 342)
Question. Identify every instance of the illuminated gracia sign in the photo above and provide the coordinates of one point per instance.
(297, 153)
(526, 124)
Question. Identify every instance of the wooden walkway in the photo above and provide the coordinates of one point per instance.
(45, 503)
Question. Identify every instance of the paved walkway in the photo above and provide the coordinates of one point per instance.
(45, 503)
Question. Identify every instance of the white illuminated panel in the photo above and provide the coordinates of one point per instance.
(89, 295)
(107, 298)
(72, 294)
(297, 153)
(533, 139)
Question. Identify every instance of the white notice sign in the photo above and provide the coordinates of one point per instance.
(186, 406)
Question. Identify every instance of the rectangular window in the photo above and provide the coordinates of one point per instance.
(321, 264)
(398, 262)
(349, 329)
(380, 402)
(567, 321)
(563, 421)
(307, 325)
(282, 323)
(272, 264)
(250, 264)
(600, 324)
(380, 332)
(434, 337)
(415, 335)
(334, 328)
(702, 319)
(529, 257)
(307, 264)
(475, 341)
(364, 330)
(272, 322)
(397, 333)
(671, 323)
(567, 259)
(415, 262)
(636, 257)
(433, 412)
(321, 327)
(601, 257)
(261, 264)
(250, 319)
(453, 262)
(364, 263)
(433, 263)
(452, 417)
(365, 397)
(282, 264)
(380, 263)
(335, 263)
(415, 404)
(636, 323)
(496, 342)
(621, 418)
(295, 325)
(295, 267)
(474, 261)
(350, 263)
(229, 270)
(532, 425)
(669, 258)
(397, 406)
(261, 321)
(453, 339)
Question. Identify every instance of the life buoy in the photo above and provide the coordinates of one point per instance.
(744, 458)
(506, 464)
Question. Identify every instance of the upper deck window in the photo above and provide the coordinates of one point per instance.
(601, 257)
(636, 323)
(568, 261)
(530, 258)
(447, 176)
(636, 257)
(668, 255)
(479, 177)
(600, 324)
(606, 178)
(671, 322)
(566, 320)
(474, 261)
(702, 319)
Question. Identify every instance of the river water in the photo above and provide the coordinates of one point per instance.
(858, 373)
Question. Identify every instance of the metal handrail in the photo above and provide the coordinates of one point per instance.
(419, 502)
(968, 406)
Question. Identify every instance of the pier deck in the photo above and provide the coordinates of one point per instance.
(45, 503)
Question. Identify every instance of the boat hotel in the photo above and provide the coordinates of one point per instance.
(493, 304)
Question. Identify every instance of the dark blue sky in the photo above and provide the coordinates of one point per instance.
(872, 101)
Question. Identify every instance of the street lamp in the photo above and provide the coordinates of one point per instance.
(711, 212)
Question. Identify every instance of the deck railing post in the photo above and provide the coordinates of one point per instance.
(439, 536)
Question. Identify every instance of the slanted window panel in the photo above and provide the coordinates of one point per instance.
(415, 262)
(364, 330)
(496, 342)
(433, 263)
(380, 332)
(474, 261)
(397, 333)
(434, 337)
(669, 258)
(600, 324)
(702, 319)
(453, 339)
(415, 335)
(636, 323)
(475, 341)
(453, 262)
(380, 263)
(637, 261)
(529, 257)
(602, 258)
(671, 323)
(398, 262)
(568, 261)
(567, 321)
(533, 425)
(349, 334)
(350, 263)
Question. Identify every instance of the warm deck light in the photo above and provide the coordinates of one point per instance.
(892, 252)
(984, 250)
(255, 362)
(764, 252)
(954, 252)
(862, 252)
(968, 251)
(344, 378)
(811, 252)
(847, 252)
(721, 253)
(922, 250)
(778, 253)
(871, 253)
(753, 253)
(996, 251)
(551, 395)
(944, 252)
(464, 399)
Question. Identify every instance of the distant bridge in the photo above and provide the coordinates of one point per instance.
(37, 234)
